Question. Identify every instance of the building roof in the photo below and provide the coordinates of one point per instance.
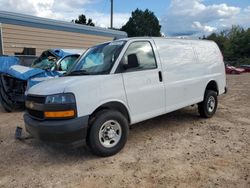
(44, 23)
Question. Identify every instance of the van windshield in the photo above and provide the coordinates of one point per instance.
(98, 59)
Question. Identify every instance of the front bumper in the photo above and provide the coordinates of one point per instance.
(70, 132)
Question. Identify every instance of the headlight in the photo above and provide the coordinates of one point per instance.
(63, 106)
(64, 98)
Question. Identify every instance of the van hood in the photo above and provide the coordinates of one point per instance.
(63, 84)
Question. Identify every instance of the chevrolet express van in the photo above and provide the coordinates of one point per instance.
(123, 82)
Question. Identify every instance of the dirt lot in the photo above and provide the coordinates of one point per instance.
(175, 150)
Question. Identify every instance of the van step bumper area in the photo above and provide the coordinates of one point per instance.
(226, 90)
(69, 132)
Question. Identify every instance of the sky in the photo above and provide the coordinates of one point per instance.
(177, 17)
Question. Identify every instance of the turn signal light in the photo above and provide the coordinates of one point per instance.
(60, 114)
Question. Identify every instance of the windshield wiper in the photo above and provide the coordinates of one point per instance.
(77, 72)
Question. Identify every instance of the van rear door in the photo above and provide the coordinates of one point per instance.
(142, 81)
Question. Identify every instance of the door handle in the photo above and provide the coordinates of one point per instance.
(160, 76)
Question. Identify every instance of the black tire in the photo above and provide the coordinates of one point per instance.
(205, 108)
(96, 144)
(5, 105)
(6, 102)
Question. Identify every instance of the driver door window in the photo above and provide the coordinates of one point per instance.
(139, 56)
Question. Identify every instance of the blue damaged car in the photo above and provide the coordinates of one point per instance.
(15, 79)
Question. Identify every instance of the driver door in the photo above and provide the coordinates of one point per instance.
(142, 81)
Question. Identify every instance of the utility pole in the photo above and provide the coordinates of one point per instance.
(111, 15)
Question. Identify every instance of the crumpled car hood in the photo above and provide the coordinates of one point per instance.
(22, 72)
(11, 66)
(6, 62)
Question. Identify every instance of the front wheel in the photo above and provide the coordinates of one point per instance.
(208, 106)
(108, 133)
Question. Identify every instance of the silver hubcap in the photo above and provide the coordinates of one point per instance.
(110, 133)
(211, 104)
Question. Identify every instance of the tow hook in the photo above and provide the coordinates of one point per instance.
(19, 136)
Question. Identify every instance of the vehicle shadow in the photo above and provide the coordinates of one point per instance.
(168, 121)
(161, 123)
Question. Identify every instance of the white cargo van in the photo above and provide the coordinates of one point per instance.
(119, 83)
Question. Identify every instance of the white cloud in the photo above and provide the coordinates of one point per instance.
(62, 10)
(204, 28)
(189, 17)
(103, 20)
(247, 9)
(45, 8)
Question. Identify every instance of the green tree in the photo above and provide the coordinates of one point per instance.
(83, 20)
(234, 44)
(142, 23)
(219, 38)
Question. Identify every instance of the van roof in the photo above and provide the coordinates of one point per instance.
(172, 38)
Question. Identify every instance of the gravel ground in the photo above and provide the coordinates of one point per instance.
(175, 150)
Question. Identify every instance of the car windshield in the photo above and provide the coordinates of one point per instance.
(98, 59)
(46, 61)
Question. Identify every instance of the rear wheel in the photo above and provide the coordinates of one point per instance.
(108, 133)
(208, 106)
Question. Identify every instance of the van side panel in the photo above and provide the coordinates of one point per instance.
(208, 53)
(185, 75)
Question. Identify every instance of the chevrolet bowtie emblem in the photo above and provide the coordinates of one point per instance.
(30, 104)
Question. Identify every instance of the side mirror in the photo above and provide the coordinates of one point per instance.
(132, 62)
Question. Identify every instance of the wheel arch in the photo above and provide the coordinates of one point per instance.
(112, 105)
(212, 85)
